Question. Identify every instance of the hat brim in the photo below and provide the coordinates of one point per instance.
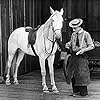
(76, 25)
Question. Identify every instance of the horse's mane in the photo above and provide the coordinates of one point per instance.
(47, 27)
(56, 12)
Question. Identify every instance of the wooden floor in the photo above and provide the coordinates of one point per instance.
(30, 88)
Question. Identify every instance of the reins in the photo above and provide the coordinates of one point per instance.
(52, 46)
(53, 40)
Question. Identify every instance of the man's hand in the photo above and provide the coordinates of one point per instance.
(67, 45)
(80, 52)
(76, 49)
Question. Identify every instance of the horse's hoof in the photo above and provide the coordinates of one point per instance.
(55, 91)
(46, 91)
(8, 83)
(16, 83)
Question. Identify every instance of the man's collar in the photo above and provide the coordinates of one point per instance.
(80, 31)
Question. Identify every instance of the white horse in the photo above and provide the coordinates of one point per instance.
(45, 47)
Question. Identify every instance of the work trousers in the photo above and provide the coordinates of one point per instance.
(82, 90)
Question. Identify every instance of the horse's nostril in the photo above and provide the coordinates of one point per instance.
(58, 36)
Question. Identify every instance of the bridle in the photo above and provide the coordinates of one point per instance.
(53, 40)
(54, 30)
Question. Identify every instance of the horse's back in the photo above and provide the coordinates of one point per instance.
(15, 35)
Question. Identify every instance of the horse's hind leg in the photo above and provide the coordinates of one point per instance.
(19, 59)
(10, 59)
(43, 73)
(51, 71)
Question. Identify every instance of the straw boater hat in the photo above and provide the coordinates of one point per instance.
(75, 22)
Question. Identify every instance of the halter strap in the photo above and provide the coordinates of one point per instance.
(52, 46)
(53, 40)
(55, 29)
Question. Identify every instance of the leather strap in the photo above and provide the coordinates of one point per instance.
(33, 50)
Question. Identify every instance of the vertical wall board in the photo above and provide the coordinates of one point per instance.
(10, 16)
(7, 31)
(14, 11)
(1, 65)
(22, 12)
(27, 12)
(3, 30)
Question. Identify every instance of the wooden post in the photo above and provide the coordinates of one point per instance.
(24, 15)
(68, 8)
(0, 43)
(1, 61)
(33, 13)
(11, 15)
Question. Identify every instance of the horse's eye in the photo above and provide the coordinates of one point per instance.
(52, 20)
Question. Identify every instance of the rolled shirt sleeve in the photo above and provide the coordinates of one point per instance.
(89, 40)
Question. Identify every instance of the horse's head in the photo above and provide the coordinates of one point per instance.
(57, 22)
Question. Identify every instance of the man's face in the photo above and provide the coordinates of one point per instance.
(76, 28)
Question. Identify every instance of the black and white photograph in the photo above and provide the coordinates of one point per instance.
(49, 49)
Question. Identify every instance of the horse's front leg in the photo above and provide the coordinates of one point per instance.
(51, 71)
(43, 73)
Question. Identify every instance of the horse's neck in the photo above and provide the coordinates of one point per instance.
(48, 31)
(40, 32)
(51, 34)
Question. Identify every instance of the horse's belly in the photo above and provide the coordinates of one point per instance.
(27, 50)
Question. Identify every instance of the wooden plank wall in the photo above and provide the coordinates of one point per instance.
(74, 9)
(93, 21)
(0, 43)
(4, 30)
(89, 11)
(14, 14)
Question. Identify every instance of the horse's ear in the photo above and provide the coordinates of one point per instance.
(61, 11)
(51, 10)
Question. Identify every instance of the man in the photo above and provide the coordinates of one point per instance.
(78, 70)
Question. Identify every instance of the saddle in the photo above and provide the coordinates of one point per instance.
(31, 35)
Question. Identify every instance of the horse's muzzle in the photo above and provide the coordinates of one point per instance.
(58, 34)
